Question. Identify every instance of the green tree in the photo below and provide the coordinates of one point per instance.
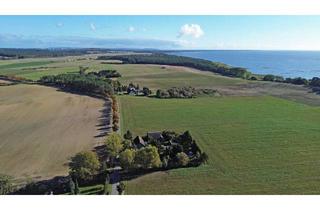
(127, 158)
(148, 157)
(5, 184)
(84, 165)
(121, 188)
(146, 91)
(186, 140)
(128, 135)
(113, 144)
(182, 159)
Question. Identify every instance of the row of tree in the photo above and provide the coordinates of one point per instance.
(106, 73)
(115, 113)
(80, 82)
(185, 92)
(165, 59)
(314, 82)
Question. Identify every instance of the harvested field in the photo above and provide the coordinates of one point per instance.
(41, 128)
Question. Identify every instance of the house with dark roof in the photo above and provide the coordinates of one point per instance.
(139, 142)
(155, 135)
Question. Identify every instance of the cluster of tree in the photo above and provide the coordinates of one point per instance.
(115, 113)
(314, 82)
(165, 59)
(131, 89)
(106, 73)
(6, 185)
(80, 82)
(135, 89)
(185, 92)
(168, 150)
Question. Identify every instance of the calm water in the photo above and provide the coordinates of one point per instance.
(285, 63)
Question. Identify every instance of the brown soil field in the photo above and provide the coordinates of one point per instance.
(42, 127)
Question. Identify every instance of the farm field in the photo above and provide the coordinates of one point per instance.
(256, 145)
(41, 128)
(158, 76)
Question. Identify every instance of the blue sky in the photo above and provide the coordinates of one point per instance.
(162, 32)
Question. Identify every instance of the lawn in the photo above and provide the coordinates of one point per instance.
(256, 145)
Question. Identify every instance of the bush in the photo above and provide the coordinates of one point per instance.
(6, 186)
(182, 159)
(146, 91)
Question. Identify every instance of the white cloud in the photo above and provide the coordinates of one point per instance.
(193, 30)
(131, 29)
(93, 26)
(59, 25)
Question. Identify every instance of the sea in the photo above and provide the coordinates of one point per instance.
(283, 63)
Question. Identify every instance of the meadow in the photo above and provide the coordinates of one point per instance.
(256, 145)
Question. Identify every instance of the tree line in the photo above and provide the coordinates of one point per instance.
(164, 59)
(314, 82)
(81, 82)
(185, 92)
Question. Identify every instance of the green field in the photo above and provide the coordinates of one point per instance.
(256, 145)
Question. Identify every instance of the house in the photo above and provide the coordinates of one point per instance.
(139, 142)
(131, 91)
(155, 135)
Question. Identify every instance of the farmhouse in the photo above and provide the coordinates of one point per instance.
(139, 142)
(132, 91)
(155, 135)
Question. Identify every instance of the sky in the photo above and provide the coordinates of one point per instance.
(162, 32)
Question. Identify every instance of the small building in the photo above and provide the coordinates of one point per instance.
(131, 91)
(139, 142)
(155, 135)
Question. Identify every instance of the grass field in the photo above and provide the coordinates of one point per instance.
(256, 145)
(40, 128)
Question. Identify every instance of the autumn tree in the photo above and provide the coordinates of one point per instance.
(113, 144)
(84, 165)
(127, 158)
(148, 157)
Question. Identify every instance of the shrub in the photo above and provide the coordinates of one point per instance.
(182, 159)
(6, 186)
